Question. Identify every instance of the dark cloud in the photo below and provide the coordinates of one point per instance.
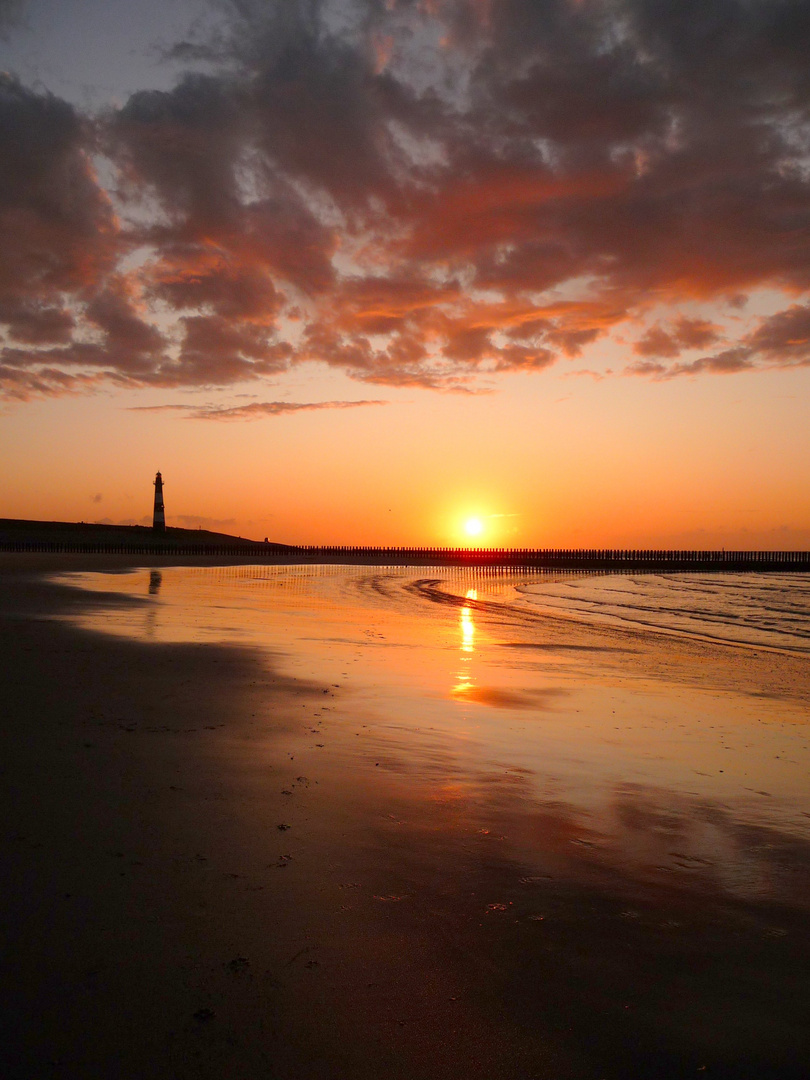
(784, 337)
(683, 334)
(19, 384)
(657, 342)
(653, 368)
(131, 343)
(725, 363)
(417, 193)
(696, 333)
(57, 229)
(217, 351)
(34, 322)
(781, 340)
(199, 278)
(729, 362)
(181, 147)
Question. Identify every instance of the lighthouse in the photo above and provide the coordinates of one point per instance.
(159, 520)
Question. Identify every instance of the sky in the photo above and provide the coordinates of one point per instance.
(360, 271)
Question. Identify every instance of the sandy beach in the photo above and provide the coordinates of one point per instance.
(354, 822)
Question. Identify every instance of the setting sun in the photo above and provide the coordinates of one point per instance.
(473, 527)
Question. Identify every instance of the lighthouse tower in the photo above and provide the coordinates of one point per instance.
(159, 520)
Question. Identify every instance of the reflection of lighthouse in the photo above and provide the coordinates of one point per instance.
(159, 520)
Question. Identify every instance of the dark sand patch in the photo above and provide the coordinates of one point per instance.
(560, 646)
(502, 698)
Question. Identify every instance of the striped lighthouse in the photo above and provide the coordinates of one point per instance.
(159, 520)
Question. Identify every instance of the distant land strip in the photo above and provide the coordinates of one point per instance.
(90, 539)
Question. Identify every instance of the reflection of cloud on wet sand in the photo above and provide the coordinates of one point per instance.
(627, 838)
(546, 698)
(652, 931)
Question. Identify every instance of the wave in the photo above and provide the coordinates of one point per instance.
(739, 609)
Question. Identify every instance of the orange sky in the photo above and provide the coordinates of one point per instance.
(542, 462)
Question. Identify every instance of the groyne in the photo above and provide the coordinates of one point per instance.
(635, 560)
(619, 560)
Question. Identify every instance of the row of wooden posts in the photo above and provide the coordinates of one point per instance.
(531, 555)
(540, 558)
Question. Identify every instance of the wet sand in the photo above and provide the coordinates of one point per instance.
(350, 838)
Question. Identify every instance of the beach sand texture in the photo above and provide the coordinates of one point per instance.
(303, 822)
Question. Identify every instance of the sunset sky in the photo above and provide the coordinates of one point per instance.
(357, 271)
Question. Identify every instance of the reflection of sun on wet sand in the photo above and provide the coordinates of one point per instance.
(464, 685)
(289, 822)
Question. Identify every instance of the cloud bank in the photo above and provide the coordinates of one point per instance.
(415, 193)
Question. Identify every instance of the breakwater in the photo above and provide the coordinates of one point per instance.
(623, 560)
(617, 560)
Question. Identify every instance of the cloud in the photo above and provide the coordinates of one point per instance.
(256, 410)
(780, 340)
(416, 194)
(57, 229)
(785, 337)
(657, 342)
(729, 362)
(683, 334)
(725, 363)
(194, 521)
(17, 384)
(652, 368)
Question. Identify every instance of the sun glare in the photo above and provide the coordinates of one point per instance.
(474, 527)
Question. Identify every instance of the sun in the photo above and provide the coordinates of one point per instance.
(473, 526)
